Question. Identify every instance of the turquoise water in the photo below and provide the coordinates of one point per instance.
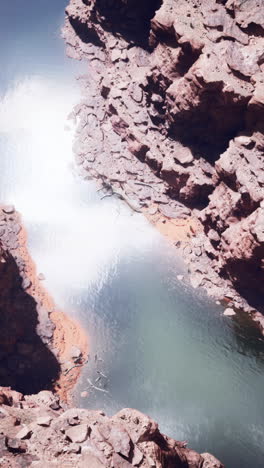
(166, 348)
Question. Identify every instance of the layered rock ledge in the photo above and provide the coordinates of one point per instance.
(172, 118)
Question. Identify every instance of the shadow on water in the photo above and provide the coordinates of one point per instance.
(248, 337)
(26, 363)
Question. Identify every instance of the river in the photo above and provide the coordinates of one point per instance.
(166, 348)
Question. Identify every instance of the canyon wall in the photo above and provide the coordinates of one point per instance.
(27, 363)
(172, 119)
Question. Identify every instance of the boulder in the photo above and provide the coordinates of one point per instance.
(78, 434)
(139, 426)
(210, 461)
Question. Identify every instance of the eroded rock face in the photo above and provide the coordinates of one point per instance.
(32, 433)
(26, 362)
(177, 121)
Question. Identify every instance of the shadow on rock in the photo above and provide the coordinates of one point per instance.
(26, 363)
(84, 33)
(130, 18)
(249, 340)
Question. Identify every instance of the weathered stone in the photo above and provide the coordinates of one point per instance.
(140, 426)
(246, 13)
(9, 209)
(2, 444)
(72, 448)
(210, 461)
(75, 353)
(78, 434)
(194, 459)
(46, 328)
(73, 420)
(213, 235)
(16, 445)
(91, 460)
(24, 433)
(174, 212)
(110, 441)
(184, 155)
(137, 456)
(44, 421)
(229, 312)
(216, 16)
(26, 283)
(242, 59)
(116, 55)
(117, 437)
(55, 405)
(119, 462)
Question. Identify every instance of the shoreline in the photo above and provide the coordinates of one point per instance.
(176, 230)
(127, 101)
(67, 332)
(141, 171)
(57, 331)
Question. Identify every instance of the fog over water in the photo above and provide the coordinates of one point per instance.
(167, 349)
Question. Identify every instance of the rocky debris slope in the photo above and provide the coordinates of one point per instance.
(172, 115)
(37, 431)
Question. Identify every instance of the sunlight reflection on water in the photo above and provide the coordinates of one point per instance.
(167, 349)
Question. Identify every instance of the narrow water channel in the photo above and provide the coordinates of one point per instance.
(166, 349)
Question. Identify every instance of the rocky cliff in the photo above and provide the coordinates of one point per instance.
(37, 431)
(26, 361)
(38, 343)
(172, 116)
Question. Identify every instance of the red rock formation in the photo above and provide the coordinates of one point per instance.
(36, 431)
(26, 362)
(177, 104)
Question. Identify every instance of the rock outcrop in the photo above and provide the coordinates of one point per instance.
(40, 429)
(26, 361)
(36, 339)
(36, 431)
(172, 115)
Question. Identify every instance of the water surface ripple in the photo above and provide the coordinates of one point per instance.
(166, 348)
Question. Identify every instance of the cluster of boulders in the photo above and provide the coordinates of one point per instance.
(172, 114)
(37, 431)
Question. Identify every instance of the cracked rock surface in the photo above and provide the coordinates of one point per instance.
(172, 115)
(36, 431)
(26, 330)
